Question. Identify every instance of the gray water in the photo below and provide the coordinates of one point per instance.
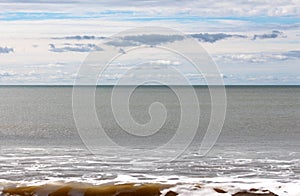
(39, 140)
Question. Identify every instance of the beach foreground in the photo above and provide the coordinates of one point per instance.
(136, 189)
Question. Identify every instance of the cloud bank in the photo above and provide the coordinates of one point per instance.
(80, 37)
(274, 34)
(151, 39)
(156, 39)
(211, 38)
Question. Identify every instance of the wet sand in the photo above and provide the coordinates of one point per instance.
(128, 189)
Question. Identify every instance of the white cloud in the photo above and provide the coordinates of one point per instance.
(6, 73)
(257, 57)
(165, 62)
(36, 76)
(50, 65)
(74, 48)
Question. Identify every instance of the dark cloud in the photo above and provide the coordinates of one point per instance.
(80, 37)
(156, 39)
(293, 54)
(274, 34)
(6, 50)
(75, 48)
(121, 43)
(211, 38)
(151, 39)
(122, 51)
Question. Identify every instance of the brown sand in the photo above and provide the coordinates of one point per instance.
(245, 193)
(88, 190)
(129, 189)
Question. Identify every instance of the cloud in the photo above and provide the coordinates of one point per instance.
(156, 39)
(274, 34)
(121, 43)
(258, 57)
(165, 62)
(262, 78)
(6, 73)
(151, 39)
(293, 54)
(122, 51)
(211, 38)
(79, 37)
(37, 76)
(6, 50)
(50, 65)
(271, 79)
(119, 8)
(75, 48)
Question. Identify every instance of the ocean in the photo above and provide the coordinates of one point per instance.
(258, 149)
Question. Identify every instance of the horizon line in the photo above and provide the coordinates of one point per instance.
(151, 85)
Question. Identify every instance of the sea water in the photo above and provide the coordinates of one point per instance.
(258, 145)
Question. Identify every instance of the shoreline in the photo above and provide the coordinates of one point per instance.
(151, 188)
(128, 189)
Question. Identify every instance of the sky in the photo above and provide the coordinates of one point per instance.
(251, 42)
